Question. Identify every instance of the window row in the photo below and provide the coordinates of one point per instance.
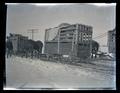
(82, 27)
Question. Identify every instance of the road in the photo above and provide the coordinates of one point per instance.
(22, 73)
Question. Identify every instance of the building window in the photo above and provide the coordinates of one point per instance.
(62, 31)
(82, 28)
(89, 36)
(86, 39)
(70, 38)
(79, 26)
(83, 34)
(87, 28)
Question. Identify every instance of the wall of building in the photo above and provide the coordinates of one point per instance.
(65, 48)
(76, 33)
(83, 51)
(111, 41)
(18, 42)
(15, 43)
(52, 48)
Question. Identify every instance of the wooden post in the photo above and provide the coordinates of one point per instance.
(59, 41)
(90, 44)
(32, 31)
(76, 40)
(45, 40)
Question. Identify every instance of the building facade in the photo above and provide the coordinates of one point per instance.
(18, 42)
(69, 39)
(111, 41)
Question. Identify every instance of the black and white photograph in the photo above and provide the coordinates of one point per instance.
(60, 46)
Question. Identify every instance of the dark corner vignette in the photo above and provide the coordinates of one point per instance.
(3, 14)
(117, 48)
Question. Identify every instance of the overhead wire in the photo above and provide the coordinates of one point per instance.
(100, 36)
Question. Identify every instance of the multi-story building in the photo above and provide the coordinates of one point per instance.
(18, 42)
(69, 39)
(111, 41)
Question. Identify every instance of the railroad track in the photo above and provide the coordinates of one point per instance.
(108, 70)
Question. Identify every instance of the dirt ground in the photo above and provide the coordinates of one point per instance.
(25, 73)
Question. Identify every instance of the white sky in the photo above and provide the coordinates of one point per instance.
(21, 17)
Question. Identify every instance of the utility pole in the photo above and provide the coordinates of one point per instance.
(45, 39)
(90, 45)
(59, 41)
(32, 31)
(73, 41)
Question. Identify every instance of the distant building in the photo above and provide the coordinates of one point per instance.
(111, 41)
(69, 39)
(18, 42)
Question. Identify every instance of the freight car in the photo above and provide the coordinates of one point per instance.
(68, 58)
(22, 46)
